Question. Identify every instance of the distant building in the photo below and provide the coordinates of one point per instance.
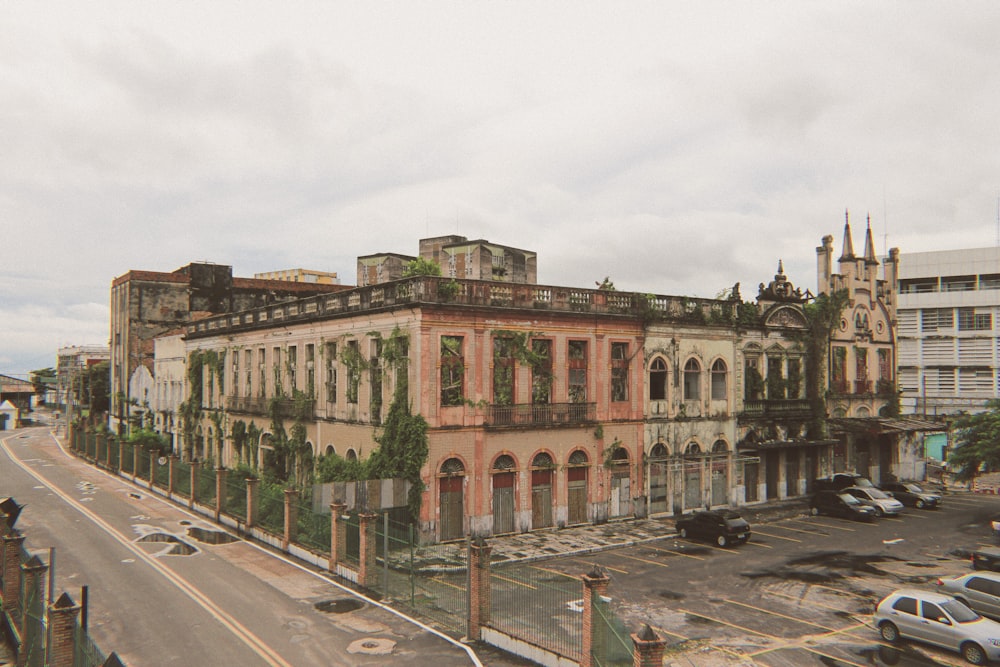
(301, 276)
(458, 257)
(147, 304)
(72, 365)
(18, 392)
(949, 343)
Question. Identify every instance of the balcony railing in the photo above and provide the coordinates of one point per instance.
(541, 414)
(255, 405)
(796, 407)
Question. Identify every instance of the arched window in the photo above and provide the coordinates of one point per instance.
(578, 458)
(504, 462)
(692, 380)
(351, 455)
(330, 450)
(720, 447)
(542, 460)
(693, 449)
(658, 452)
(719, 380)
(452, 466)
(658, 380)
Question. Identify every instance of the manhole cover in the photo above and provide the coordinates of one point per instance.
(341, 606)
(372, 646)
(211, 536)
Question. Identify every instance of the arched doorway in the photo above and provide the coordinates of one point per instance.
(541, 490)
(620, 503)
(503, 478)
(720, 473)
(576, 487)
(692, 476)
(451, 507)
(658, 478)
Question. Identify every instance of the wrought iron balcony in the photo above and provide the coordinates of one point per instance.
(793, 408)
(256, 405)
(541, 414)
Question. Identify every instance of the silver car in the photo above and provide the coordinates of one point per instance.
(978, 590)
(941, 620)
(877, 499)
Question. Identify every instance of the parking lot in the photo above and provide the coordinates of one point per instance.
(800, 592)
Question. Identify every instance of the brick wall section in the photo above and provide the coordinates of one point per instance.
(368, 570)
(253, 501)
(336, 510)
(595, 583)
(62, 626)
(648, 648)
(480, 598)
(11, 571)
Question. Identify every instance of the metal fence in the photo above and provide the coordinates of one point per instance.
(205, 479)
(272, 508)
(235, 501)
(313, 529)
(182, 479)
(612, 643)
(540, 606)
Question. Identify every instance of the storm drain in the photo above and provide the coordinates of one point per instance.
(339, 606)
(210, 536)
(178, 547)
(372, 646)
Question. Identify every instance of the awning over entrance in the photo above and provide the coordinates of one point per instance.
(883, 425)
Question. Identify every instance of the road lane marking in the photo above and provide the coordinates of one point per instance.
(758, 544)
(513, 581)
(671, 552)
(757, 531)
(643, 560)
(774, 613)
(796, 530)
(252, 641)
(730, 625)
(562, 574)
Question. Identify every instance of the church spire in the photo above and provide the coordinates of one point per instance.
(848, 253)
(869, 244)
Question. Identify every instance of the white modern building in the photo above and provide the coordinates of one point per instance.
(948, 343)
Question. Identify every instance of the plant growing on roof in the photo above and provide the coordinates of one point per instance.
(421, 267)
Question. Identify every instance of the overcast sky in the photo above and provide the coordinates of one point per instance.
(675, 147)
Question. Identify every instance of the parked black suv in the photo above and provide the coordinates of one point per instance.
(724, 527)
(844, 505)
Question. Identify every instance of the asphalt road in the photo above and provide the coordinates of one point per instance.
(168, 588)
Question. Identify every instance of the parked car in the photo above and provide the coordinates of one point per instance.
(844, 505)
(882, 502)
(724, 527)
(841, 480)
(978, 590)
(938, 619)
(912, 495)
(986, 559)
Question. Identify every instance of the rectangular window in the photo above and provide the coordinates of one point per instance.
(236, 373)
(293, 367)
(861, 377)
(311, 369)
(248, 362)
(775, 378)
(331, 372)
(970, 320)
(838, 369)
(262, 372)
(375, 381)
(885, 365)
(541, 371)
(503, 371)
(577, 371)
(452, 370)
(276, 370)
(353, 361)
(619, 371)
(932, 319)
(403, 369)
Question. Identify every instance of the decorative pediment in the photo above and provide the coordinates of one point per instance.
(785, 316)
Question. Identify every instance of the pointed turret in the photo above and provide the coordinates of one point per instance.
(869, 245)
(848, 253)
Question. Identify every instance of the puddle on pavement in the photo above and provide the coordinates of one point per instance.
(826, 567)
(670, 595)
(178, 546)
(211, 536)
(339, 606)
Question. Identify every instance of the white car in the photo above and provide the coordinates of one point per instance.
(940, 620)
(878, 499)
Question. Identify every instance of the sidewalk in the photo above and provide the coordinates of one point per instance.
(578, 540)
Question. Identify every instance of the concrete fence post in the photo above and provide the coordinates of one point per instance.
(595, 585)
(171, 471)
(291, 518)
(336, 543)
(63, 615)
(253, 500)
(367, 567)
(648, 648)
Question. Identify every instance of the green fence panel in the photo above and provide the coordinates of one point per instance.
(182, 478)
(87, 653)
(102, 451)
(236, 496)
(313, 528)
(161, 472)
(612, 646)
(128, 458)
(540, 606)
(206, 486)
(272, 508)
(114, 459)
(142, 464)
